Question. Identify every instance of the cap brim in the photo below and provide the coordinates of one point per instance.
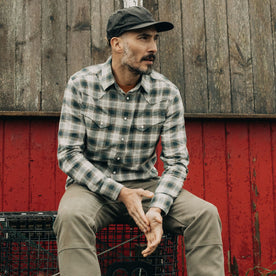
(161, 26)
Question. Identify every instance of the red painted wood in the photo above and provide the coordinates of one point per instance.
(1, 163)
(42, 165)
(195, 179)
(216, 174)
(223, 169)
(239, 190)
(16, 168)
(262, 194)
(273, 153)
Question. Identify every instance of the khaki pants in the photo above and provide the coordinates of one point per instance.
(82, 214)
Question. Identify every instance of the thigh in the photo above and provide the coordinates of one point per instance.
(184, 210)
(79, 200)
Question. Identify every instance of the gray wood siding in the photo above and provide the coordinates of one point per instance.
(221, 53)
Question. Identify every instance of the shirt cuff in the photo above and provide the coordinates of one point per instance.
(162, 201)
(110, 188)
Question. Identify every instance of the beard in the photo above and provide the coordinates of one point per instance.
(129, 61)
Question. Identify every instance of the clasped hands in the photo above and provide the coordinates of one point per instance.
(149, 223)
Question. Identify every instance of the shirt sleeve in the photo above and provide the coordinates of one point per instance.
(71, 147)
(174, 155)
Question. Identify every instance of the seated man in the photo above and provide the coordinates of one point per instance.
(113, 116)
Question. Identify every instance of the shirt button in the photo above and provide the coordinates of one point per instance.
(127, 98)
(114, 172)
(125, 118)
(122, 139)
(101, 123)
(142, 127)
(118, 158)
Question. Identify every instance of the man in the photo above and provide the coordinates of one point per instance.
(113, 116)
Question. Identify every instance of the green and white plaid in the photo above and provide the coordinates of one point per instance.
(107, 136)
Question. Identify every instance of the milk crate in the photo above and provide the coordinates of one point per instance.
(28, 247)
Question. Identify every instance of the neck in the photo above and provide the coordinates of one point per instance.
(123, 75)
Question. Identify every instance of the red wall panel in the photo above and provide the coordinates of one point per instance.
(232, 164)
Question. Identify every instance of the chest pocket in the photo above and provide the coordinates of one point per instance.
(98, 130)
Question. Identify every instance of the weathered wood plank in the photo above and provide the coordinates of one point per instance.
(171, 58)
(7, 58)
(54, 75)
(240, 57)
(79, 36)
(273, 27)
(16, 168)
(100, 12)
(217, 57)
(239, 199)
(262, 56)
(215, 174)
(262, 194)
(28, 55)
(152, 6)
(42, 165)
(195, 86)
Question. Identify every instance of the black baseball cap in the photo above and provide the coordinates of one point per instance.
(133, 18)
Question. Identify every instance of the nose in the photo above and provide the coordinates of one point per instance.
(153, 46)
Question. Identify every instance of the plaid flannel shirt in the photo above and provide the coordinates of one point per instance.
(107, 136)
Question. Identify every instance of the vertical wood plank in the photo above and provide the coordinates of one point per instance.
(100, 12)
(262, 56)
(217, 56)
(240, 57)
(262, 194)
(215, 173)
(240, 224)
(153, 7)
(42, 164)
(54, 57)
(28, 55)
(1, 162)
(16, 167)
(195, 90)
(273, 27)
(171, 58)
(79, 37)
(7, 55)
(195, 179)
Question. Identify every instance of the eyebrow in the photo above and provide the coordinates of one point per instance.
(156, 36)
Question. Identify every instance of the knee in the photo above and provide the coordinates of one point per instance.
(211, 216)
(70, 219)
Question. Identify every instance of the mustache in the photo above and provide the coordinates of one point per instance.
(151, 57)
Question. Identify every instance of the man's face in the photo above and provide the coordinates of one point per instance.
(139, 50)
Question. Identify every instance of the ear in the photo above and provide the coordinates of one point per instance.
(116, 44)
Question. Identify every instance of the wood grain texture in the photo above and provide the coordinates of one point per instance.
(7, 55)
(194, 48)
(262, 56)
(54, 54)
(78, 35)
(242, 90)
(217, 56)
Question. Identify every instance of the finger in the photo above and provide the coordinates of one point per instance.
(146, 193)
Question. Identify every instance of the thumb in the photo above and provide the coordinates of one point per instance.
(146, 193)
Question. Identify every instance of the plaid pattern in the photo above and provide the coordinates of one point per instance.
(107, 136)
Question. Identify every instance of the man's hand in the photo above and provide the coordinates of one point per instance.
(154, 236)
(132, 198)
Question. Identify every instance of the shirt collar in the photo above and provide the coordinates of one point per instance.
(107, 78)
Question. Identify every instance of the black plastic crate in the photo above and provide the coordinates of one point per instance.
(28, 247)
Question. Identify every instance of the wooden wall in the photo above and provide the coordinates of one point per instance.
(221, 54)
(233, 165)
